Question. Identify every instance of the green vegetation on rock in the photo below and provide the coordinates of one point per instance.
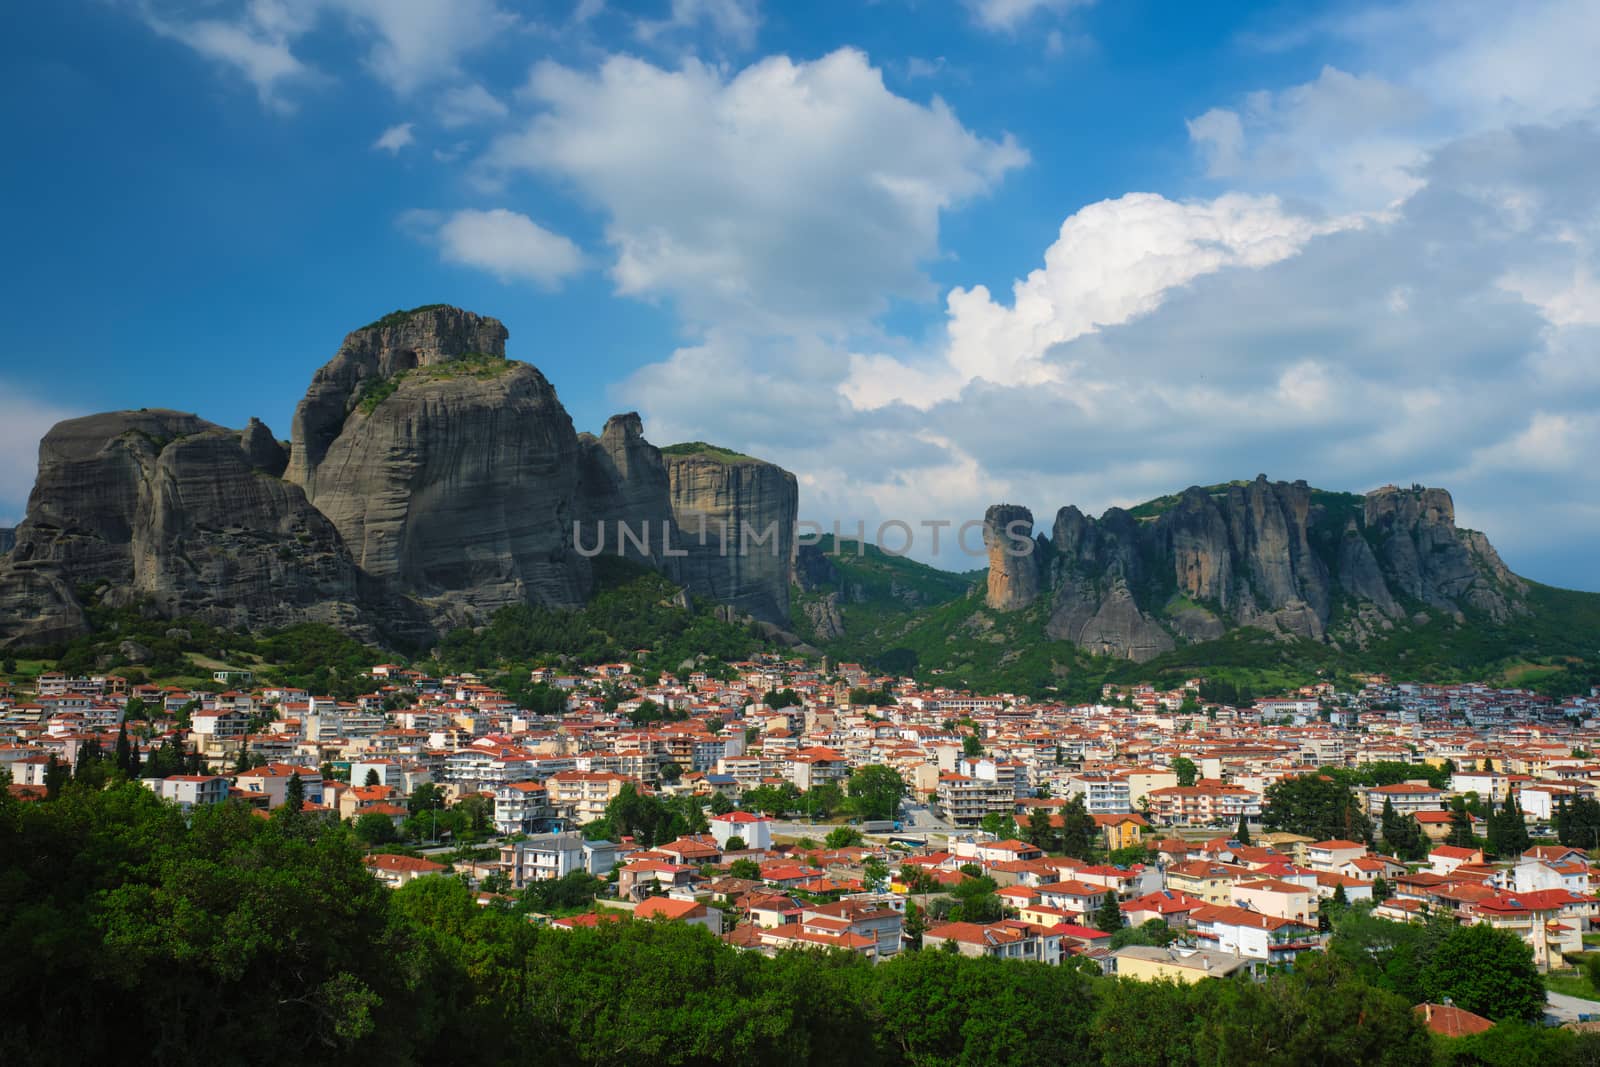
(700, 448)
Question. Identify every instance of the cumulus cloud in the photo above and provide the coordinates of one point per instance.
(504, 243)
(395, 138)
(787, 196)
(1111, 262)
(408, 45)
(1349, 138)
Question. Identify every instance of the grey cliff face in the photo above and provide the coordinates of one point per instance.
(623, 482)
(166, 508)
(1273, 555)
(8, 537)
(394, 345)
(429, 482)
(735, 521)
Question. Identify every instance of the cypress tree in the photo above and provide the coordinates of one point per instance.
(1242, 834)
(294, 794)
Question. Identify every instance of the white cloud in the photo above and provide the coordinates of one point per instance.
(1111, 262)
(24, 420)
(787, 196)
(734, 20)
(259, 53)
(409, 44)
(395, 138)
(506, 244)
(1352, 140)
(468, 104)
(1007, 15)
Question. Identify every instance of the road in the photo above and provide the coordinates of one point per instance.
(1567, 1009)
(914, 819)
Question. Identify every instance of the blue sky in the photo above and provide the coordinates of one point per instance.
(929, 256)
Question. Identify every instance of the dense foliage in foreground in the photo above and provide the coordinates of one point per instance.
(127, 934)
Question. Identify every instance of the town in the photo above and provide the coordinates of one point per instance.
(784, 803)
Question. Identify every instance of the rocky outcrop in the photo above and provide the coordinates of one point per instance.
(429, 481)
(625, 504)
(370, 360)
(1278, 556)
(1013, 564)
(8, 537)
(457, 488)
(735, 520)
(164, 509)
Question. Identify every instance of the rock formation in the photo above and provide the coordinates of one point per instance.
(450, 471)
(1013, 562)
(430, 480)
(164, 508)
(735, 520)
(8, 537)
(1278, 556)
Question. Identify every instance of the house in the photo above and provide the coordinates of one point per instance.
(1274, 896)
(1006, 940)
(1551, 921)
(520, 806)
(1149, 963)
(754, 830)
(272, 780)
(1242, 932)
(189, 791)
(1446, 858)
(1447, 1020)
(672, 909)
(1171, 908)
(1332, 855)
(1407, 798)
(1121, 831)
(396, 871)
(545, 857)
(871, 919)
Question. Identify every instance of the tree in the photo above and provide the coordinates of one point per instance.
(124, 751)
(1380, 889)
(971, 747)
(720, 805)
(875, 873)
(747, 869)
(671, 773)
(735, 843)
(1460, 825)
(999, 825)
(1508, 830)
(1242, 834)
(1402, 835)
(1186, 770)
(1078, 829)
(843, 837)
(1153, 932)
(376, 829)
(1040, 834)
(426, 797)
(1317, 805)
(1486, 971)
(56, 774)
(294, 793)
(372, 777)
(1108, 916)
(875, 791)
(913, 926)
